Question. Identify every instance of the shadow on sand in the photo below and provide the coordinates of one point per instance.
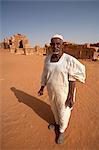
(41, 108)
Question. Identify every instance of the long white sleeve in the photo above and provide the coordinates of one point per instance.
(77, 70)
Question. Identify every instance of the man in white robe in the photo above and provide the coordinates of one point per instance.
(59, 75)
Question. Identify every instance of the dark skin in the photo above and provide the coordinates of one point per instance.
(57, 45)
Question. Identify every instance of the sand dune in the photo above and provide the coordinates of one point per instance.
(25, 116)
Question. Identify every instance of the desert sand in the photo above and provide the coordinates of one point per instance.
(25, 116)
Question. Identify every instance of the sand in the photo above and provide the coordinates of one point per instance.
(25, 116)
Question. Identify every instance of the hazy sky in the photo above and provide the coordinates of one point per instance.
(77, 21)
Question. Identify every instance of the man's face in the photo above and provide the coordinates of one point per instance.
(56, 45)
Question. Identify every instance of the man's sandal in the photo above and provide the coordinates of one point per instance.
(60, 139)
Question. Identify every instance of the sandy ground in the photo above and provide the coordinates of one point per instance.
(25, 116)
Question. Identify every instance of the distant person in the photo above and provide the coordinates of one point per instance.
(59, 75)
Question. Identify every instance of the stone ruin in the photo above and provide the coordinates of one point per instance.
(79, 51)
(19, 44)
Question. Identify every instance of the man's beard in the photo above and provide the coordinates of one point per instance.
(56, 51)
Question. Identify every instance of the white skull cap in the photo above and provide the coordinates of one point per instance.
(57, 36)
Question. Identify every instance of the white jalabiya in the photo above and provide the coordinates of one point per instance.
(56, 75)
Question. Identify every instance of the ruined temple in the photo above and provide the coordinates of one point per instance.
(18, 44)
(16, 41)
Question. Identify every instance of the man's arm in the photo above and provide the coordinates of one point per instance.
(69, 101)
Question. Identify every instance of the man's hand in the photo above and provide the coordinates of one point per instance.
(40, 92)
(69, 102)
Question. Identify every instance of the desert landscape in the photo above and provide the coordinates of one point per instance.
(25, 116)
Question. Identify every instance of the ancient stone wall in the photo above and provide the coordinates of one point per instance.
(18, 44)
(79, 51)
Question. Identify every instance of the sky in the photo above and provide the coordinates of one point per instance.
(76, 20)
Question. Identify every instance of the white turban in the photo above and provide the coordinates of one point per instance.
(57, 36)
